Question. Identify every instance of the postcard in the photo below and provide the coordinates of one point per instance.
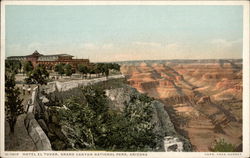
(125, 79)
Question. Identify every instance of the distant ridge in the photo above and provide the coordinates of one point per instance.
(181, 61)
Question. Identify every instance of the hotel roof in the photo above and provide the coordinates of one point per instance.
(40, 55)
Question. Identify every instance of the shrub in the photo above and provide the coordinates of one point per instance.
(222, 146)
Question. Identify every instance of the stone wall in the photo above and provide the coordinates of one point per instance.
(33, 128)
(65, 86)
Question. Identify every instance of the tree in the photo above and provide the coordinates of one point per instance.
(13, 103)
(83, 69)
(138, 114)
(68, 70)
(13, 66)
(116, 67)
(39, 75)
(97, 71)
(106, 70)
(87, 118)
(27, 67)
(113, 66)
(100, 67)
(91, 70)
(59, 68)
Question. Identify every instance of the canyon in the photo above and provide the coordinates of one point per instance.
(50, 110)
(202, 97)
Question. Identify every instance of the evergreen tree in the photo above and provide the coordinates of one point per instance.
(88, 119)
(59, 68)
(116, 67)
(83, 69)
(68, 70)
(106, 71)
(138, 114)
(13, 66)
(13, 103)
(91, 70)
(39, 75)
(100, 67)
(27, 67)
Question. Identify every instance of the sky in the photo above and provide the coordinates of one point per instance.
(125, 32)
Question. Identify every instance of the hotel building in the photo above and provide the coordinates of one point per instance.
(50, 60)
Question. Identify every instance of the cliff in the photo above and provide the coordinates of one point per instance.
(202, 97)
(163, 125)
(121, 100)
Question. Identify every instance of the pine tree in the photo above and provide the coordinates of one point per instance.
(83, 69)
(39, 75)
(59, 68)
(68, 70)
(27, 67)
(13, 103)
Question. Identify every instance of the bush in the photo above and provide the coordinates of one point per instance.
(222, 146)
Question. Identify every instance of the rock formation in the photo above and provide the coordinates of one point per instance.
(118, 97)
(206, 94)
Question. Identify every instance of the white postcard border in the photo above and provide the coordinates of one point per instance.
(246, 88)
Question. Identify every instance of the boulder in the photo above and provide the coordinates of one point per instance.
(38, 136)
(173, 144)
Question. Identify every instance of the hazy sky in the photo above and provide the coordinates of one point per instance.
(110, 33)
